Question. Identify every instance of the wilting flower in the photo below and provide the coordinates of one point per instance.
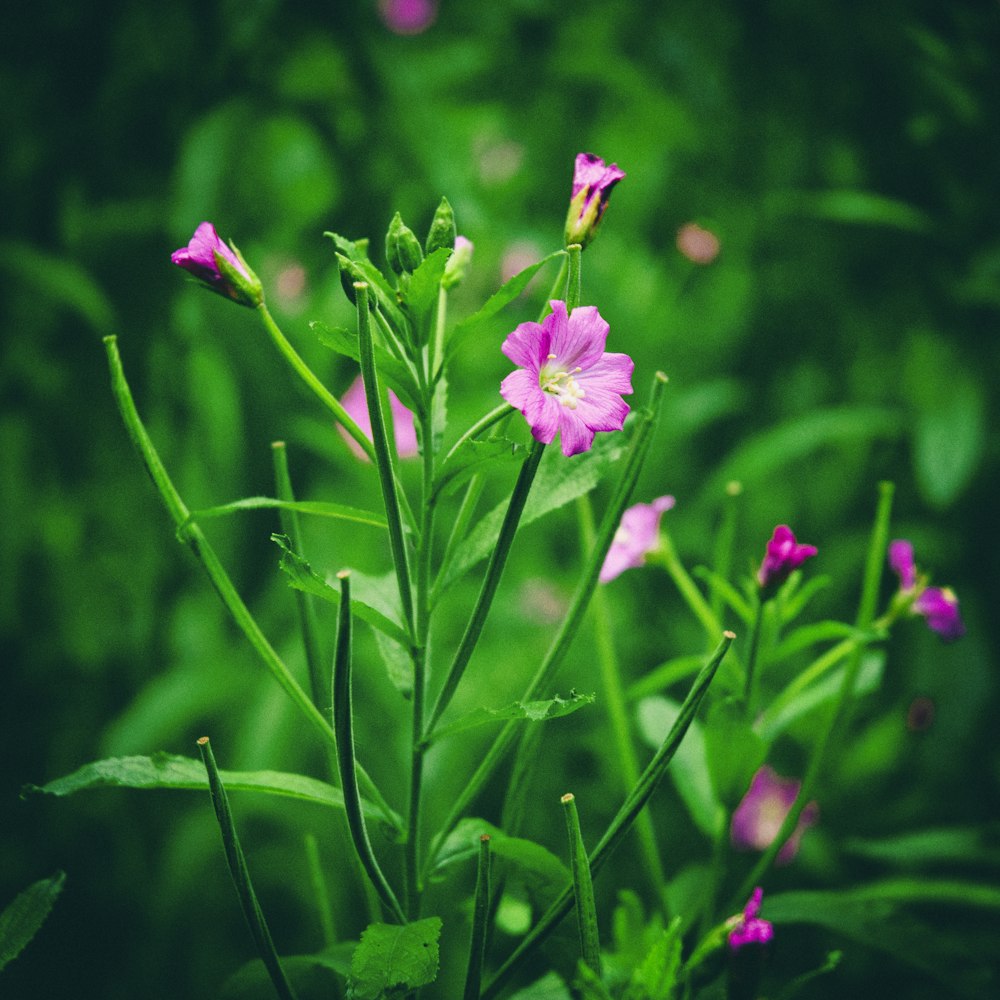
(748, 928)
(783, 555)
(937, 605)
(593, 181)
(758, 818)
(699, 245)
(219, 267)
(356, 404)
(637, 536)
(407, 17)
(566, 384)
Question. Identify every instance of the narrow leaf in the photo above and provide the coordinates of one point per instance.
(319, 508)
(22, 919)
(531, 711)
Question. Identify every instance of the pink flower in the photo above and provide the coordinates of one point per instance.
(219, 267)
(783, 555)
(407, 17)
(566, 384)
(700, 246)
(937, 605)
(637, 536)
(356, 404)
(758, 818)
(593, 182)
(748, 928)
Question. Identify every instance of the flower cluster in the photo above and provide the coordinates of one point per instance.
(938, 606)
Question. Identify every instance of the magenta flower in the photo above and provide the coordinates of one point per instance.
(593, 181)
(758, 818)
(637, 536)
(407, 17)
(219, 267)
(356, 404)
(566, 384)
(783, 555)
(748, 928)
(938, 606)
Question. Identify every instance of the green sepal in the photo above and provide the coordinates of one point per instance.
(402, 248)
(442, 232)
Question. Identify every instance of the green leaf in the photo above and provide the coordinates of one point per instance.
(559, 481)
(796, 595)
(810, 635)
(771, 725)
(855, 208)
(875, 916)
(319, 508)
(531, 711)
(173, 771)
(471, 459)
(502, 297)
(689, 771)
(392, 960)
(589, 984)
(303, 577)
(957, 845)
(733, 750)
(310, 975)
(736, 602)
(663, 676)
(21, 919)
(422, 290)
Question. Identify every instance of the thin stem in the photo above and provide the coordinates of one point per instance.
(343, 713)
(634, 803)
(494, 570)
(307, 612)
(558, 288)
(724, 539)
(308, 376)
(614, 698)
(482, 424)
(667, 557)
(866, 611)
(383, 454)
(321, 892)
(573, 276)
(191, 535)
(575, 615)
(241, 875)
(749, 678)
(465, 511)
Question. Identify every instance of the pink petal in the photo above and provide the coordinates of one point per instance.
(577, 340)
(527, 346)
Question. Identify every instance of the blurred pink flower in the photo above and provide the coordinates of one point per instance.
(783, 555)
(937, 605)
(758, 818)
(407, 17)
(700, 246)
(565, 382)
(519, 255)
(355, 403)
(748, 928)
(637, 536)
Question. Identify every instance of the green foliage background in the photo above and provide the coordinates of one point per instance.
(845, 154)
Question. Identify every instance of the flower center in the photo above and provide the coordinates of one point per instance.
(561, 384)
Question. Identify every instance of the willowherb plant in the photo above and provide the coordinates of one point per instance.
(713, 936)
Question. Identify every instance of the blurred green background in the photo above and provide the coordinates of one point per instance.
(845, 155)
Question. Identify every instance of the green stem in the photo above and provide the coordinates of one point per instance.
(622, 823)
(558, 288)
(321, 892)
(573, 276)
(308, 376)
(583, 888)
(494, 570)
(480, 919)
(577, 610)
(383, 454)
(667, 557)
(241, 875)
(749, 678)
(724, 539)
(866, 612)
(462, 519)
(614, 699)
(343, 713)
(307, 612)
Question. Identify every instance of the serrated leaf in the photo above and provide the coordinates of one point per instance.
(173, 771)
(656, 977)
(302, 577)
(392, 960)
(558, 482)
(318, 508)
(24, 916)
(500, 298)
(530, 711)
(689, 769)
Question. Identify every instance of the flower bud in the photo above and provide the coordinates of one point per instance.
(458, 262)
(442, 231)
(402, 249)
(219, 267)
(593, 181)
